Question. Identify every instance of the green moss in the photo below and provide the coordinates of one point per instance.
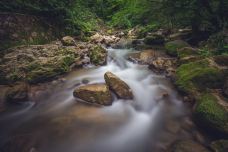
(187, 51)
(198, 75)
(210, 114)
(173, 46)
(98, 55)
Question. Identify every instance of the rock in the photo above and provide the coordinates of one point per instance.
(154, 39)
(225, 88)
(98, 55)
(68, 41)
(219, 146)
(188, 146)
(145, 57)
(18, 93)
(187, 51)
(119, 87)
(122, 43)
(198, 76)
(221, 60)
(103, 39)
(173, 47)
(38, 63)
(211, 115)
(94, 93)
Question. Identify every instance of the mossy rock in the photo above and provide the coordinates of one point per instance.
(210, 114)
(173, 46)
(154, 39)
(187, 51)
(98, 55)
(198, 75)
(220, 146)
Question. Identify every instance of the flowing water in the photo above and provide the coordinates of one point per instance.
(56, 122)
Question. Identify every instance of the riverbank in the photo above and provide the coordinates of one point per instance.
(200, 79)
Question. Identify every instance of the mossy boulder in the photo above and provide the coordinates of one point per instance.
(187, 51)
(199, 75)
(155, 39)
(98, 55)
(94, 93)
(219, 146)
(210, 114)
(173, 47)
(37, 63)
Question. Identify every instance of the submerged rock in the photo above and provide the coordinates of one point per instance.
(68, 41)
(119, 87)
(18, 93)
(94, 93)
(173, 47)
(188, 146)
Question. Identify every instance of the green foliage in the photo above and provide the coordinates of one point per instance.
(71, 15)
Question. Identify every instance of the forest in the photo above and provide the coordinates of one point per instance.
(113, 75)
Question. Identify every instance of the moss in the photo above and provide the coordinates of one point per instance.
(210, 114)
(173, 46)
(198, 75)
(187, 51)
(40, 75)
(98, 55)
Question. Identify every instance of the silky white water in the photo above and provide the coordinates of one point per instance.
(61, 124)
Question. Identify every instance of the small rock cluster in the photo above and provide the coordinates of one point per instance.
(101, 93)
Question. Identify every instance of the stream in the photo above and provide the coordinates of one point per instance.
(56, 122)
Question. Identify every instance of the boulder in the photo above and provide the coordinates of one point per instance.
(188, 146)
(94, 93)
(18, 93)
(119, 87)
(154, 39)
(173, 47)
(145, 57)
(187, 51)
(163, 64)
(98, 55)
(211, 115)
(198, 76)
(68, 41)
(219, 146)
